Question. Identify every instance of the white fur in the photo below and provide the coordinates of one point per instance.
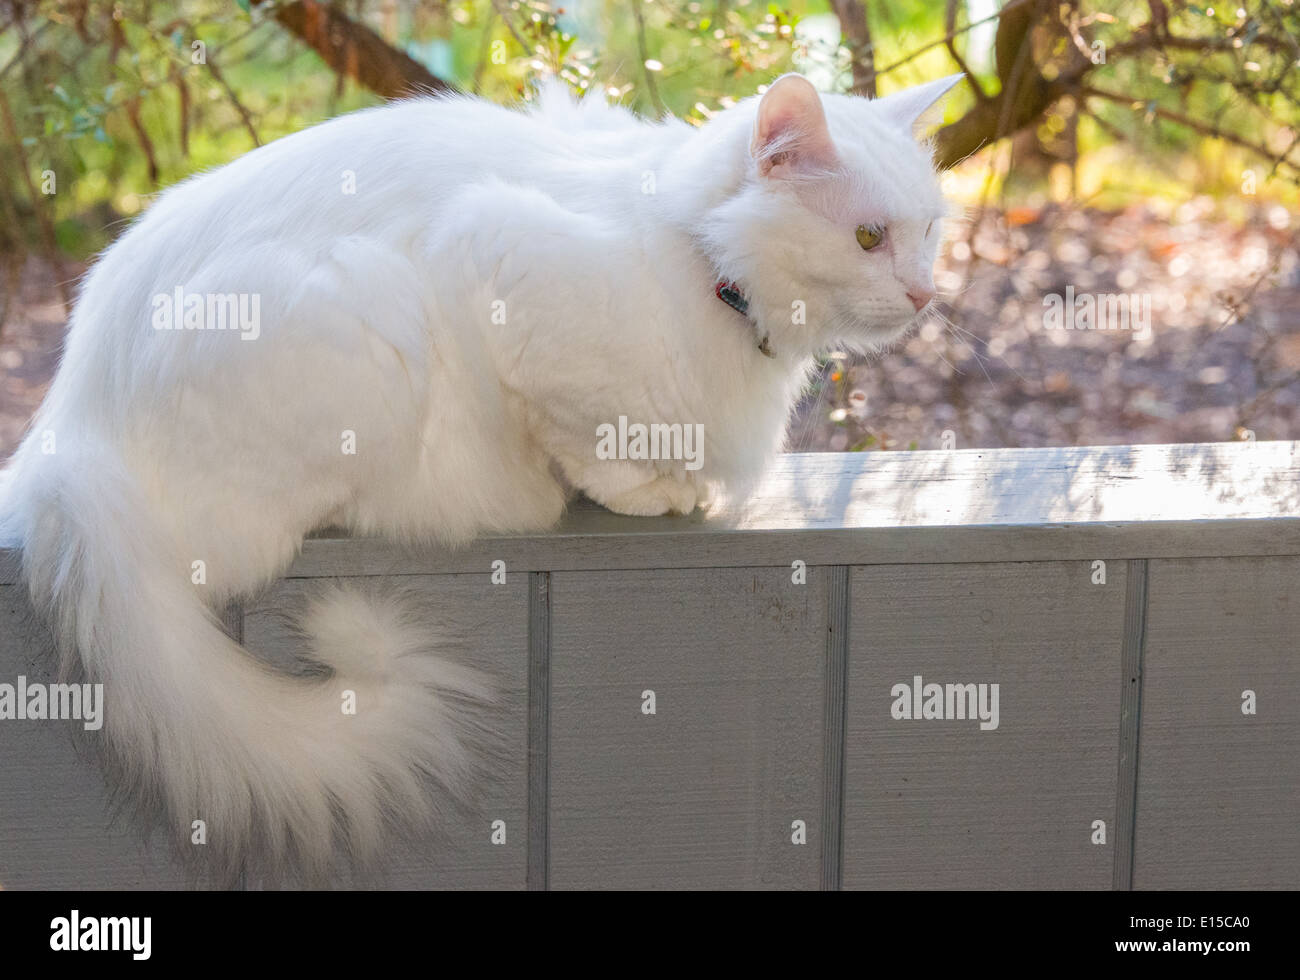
(377, 317)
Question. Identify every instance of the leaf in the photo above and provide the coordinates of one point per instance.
(245, 6)
(1018, 216)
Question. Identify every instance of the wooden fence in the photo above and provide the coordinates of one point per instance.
(731, 704)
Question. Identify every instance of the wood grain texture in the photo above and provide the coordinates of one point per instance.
(1130, 721)
(966, 505)
(539, 730)
(703, 793)
(1218, 802)
(57, 830)
(480, 624)
(968, 567)
(1214, 499)
(835, 707)
(940, 803)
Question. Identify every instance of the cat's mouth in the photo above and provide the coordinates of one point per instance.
(873, 334)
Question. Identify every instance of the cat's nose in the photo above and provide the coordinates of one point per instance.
(920, 297)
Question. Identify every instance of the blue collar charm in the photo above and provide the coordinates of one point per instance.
(730, 294)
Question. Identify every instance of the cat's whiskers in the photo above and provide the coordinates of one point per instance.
(971, 340)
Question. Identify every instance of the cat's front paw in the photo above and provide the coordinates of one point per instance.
(662, 495)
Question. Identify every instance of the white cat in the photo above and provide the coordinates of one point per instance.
(450, 299)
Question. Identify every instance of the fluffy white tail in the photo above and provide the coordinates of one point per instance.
(280, 774)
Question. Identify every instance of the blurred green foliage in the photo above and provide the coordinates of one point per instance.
(118, 98)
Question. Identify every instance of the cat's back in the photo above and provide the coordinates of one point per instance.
(337, 215)
(358, 170)
(387, 171)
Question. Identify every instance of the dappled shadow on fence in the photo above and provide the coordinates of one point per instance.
(1029, 486)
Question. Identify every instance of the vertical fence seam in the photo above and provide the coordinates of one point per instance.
(539, 730)
(1130, 722)
(833, 730)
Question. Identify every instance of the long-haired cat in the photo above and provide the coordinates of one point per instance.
(411, 321)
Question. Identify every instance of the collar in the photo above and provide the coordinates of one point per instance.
(731, 294)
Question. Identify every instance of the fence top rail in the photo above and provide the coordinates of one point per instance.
(1187, 500)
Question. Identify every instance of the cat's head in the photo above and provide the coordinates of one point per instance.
(834, 230)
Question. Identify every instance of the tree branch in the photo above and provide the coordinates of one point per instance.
(48, 237)
(354, 50)
(857, 34)
(644, 49)
(1025, 93)
(950, 37)
(244, 115)
(1205, 129)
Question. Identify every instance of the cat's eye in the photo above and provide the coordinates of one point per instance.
(869, 236)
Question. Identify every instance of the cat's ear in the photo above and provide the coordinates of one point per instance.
(909, 109)
(790, 132)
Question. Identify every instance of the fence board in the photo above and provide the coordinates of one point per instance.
(487, 626)
(1218, 802)
(56, 827)
(937, 803)
(704, 793)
